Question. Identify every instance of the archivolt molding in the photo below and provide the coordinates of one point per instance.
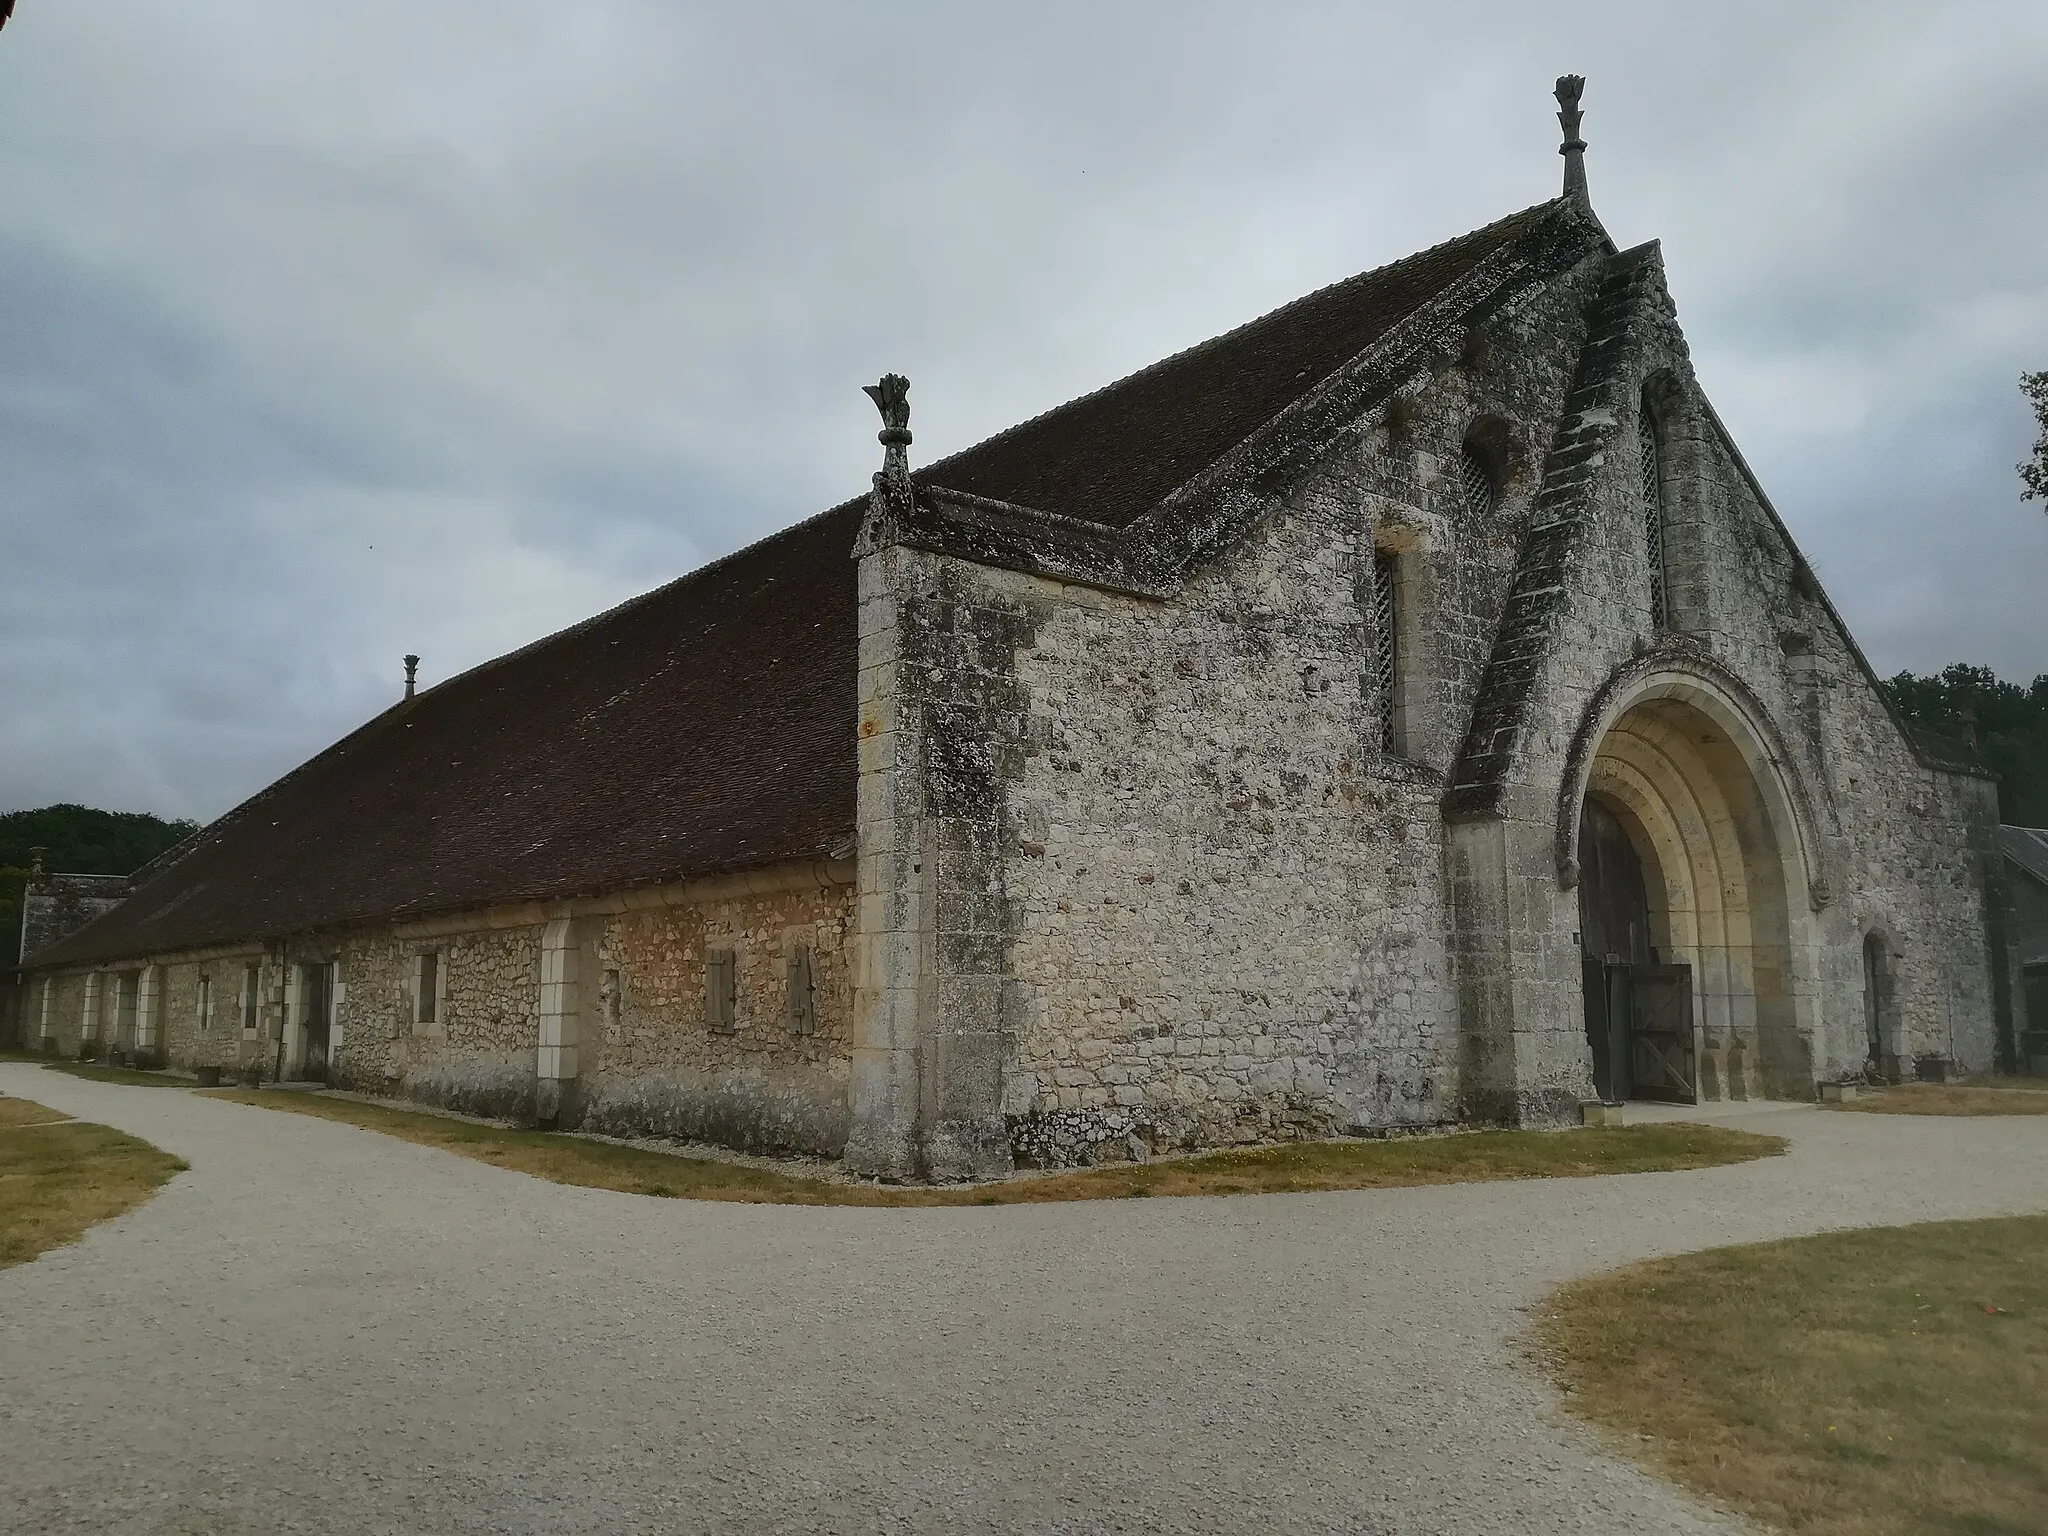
(1708, 687)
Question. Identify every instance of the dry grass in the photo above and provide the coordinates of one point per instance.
(1854, 1384)
(60, 1176)
(1298, 1168)
(1978, 1096)
(15, 1112)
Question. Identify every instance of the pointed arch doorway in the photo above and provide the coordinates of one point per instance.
(1687, 851)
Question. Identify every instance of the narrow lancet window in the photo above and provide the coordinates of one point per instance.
(1386, 640)
(1653, 518)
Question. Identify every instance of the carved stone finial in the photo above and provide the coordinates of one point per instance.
(892, 494)
(35, 863)
(1574, 148)
(892, 399)
(412, 672)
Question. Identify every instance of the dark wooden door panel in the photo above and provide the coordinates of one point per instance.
(1661, 1055)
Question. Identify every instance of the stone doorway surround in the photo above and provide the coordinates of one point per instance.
(1687, 764)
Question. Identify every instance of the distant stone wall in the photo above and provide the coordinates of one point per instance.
(56, 906)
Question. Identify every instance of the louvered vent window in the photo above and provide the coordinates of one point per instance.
(1386, 631)
(1653, 519)
(1476, 480)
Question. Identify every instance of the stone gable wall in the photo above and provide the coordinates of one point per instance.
(57, 906)
(1141, 875)
(1900, 848)
(1167, 831)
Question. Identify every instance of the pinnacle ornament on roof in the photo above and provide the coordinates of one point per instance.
(1574, 148)
(891, 497)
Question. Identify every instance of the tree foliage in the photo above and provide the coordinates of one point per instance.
(76, 840)
(2034, 473)
(2009, 724)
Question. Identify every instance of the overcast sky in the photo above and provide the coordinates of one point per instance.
(329, 333)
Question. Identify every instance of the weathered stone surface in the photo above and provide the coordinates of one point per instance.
(1148, 841)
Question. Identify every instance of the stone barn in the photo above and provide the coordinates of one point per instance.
(1406, 708)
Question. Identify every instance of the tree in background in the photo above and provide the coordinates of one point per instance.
(76, 840)
(2008, 723)
(2034, 473)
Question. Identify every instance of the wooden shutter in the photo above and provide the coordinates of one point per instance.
(721, 993)
(803, 1011)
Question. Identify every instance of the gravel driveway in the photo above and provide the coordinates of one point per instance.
(322, 1329)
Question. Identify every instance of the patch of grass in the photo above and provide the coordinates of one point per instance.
(1298, 1168)
(56, 1180)
(95, 1072)
(1852, 1384)
(27, 1112)
(133, 1077)
(1978, 1096)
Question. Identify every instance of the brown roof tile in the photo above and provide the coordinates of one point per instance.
(704, 727)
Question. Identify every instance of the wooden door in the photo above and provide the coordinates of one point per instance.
(1661, 1058)
(319, 1020)
(1614, 939)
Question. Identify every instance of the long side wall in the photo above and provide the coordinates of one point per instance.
(645, 1056)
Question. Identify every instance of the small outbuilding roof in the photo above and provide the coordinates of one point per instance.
(2027, 847)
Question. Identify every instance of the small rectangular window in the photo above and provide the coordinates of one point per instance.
(427, 989)
(721, 991)
(205, 1004)
(803, 1005)
(252, 997)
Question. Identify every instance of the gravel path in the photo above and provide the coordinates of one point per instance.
(323, 1329)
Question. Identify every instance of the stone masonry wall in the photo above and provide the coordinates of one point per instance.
(1218, 902)
(1896, 847)
(1155, 852)
(648, 1063)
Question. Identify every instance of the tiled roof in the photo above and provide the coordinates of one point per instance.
(707, 726)
(1109, 456)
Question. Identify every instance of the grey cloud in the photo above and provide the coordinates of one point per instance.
(327, 335)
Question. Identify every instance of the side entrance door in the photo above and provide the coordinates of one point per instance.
(1661, 1058)
(319, 984)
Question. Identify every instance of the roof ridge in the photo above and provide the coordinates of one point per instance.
(1413, 258)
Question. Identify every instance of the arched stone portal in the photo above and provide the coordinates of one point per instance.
(1685, 829)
